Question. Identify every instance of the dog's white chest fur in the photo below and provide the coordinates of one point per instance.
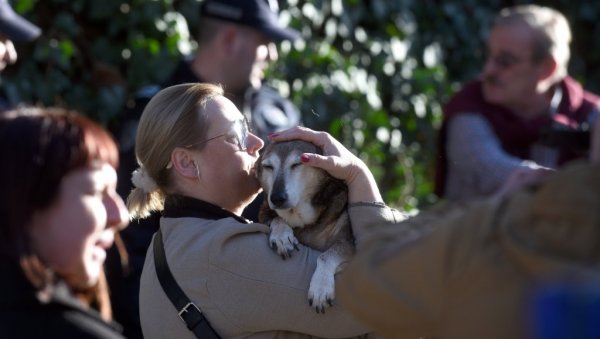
(299, 216)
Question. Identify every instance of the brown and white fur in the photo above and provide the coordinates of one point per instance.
(307, 205)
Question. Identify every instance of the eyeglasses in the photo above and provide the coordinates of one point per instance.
(239, 134)
(504, 61)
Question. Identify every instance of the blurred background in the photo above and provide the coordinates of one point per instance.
(374, 73)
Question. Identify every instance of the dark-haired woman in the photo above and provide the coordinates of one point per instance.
(59, 213)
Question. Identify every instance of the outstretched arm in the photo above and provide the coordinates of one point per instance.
(478, 166)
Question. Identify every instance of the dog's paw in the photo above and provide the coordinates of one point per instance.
(282, 239)
(321, 292)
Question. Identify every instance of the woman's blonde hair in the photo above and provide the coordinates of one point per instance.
(174, 117)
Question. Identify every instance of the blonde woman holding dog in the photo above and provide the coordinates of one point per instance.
(197, 165)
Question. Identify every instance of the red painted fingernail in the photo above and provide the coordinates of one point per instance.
(304, 158)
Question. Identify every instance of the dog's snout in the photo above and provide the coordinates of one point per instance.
(278, 199)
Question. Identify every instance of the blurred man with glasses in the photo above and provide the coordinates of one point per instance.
(522, 117)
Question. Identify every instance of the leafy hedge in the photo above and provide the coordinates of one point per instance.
(374, 73)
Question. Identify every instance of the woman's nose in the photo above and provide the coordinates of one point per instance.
(117, 213)
(255, 143)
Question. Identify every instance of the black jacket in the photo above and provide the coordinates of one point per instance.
(22, 315)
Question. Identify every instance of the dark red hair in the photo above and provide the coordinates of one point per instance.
(38, 147)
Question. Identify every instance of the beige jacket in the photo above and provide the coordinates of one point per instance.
(473, 272)
(243, 287)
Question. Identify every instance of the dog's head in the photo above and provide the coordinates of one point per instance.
(286, 182)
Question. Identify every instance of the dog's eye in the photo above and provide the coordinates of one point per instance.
(294, 165)
(267, 167)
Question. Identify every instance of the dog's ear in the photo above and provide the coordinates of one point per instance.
(313, 148)
(184, 163)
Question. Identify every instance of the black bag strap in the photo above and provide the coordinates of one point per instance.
(187, 310)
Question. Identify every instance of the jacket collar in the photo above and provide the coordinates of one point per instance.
(177, 206)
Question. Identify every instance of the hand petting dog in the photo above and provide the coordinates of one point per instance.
(338, 161)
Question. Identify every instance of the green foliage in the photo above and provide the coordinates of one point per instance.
(376, 83)
(374, 73)
(94, 54)
(378, 72)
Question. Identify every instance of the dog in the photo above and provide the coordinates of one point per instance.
(306, 205)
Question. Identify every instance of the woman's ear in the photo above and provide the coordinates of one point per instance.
(184, 163)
